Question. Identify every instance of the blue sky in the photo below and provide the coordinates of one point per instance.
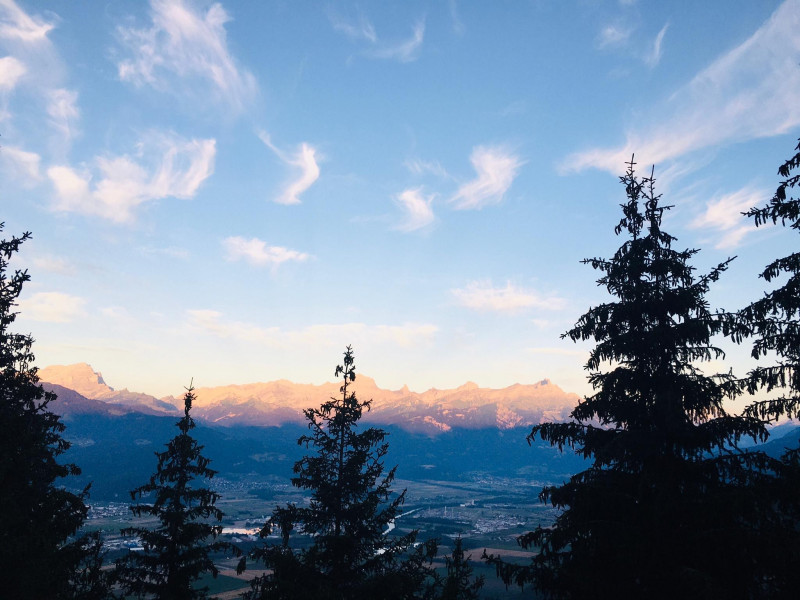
(235, 191)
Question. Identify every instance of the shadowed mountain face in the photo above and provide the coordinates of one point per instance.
(282, 402)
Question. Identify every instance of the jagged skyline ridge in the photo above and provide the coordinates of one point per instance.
(279, 402)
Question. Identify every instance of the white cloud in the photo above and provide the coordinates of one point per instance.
(653, 57)
(37, 69)
(22, 164)
(62, 108)
(11, 70)
(483, 296)
(256, 252)
(52, 307)
(303, 160)
(173, 168)
(417, 209)
(458, 24)
(749, 92)
(360, 30)
(405, 51)
(406, 335)
(187, 43)
(17, 25)
(421, 167)
(54, 264)
(170, 251)
(724, 216)
(613, 35)
(496, 169)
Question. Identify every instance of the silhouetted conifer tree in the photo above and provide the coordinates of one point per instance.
(774, 321)
(351, 509)
(459, 583)
(177, 552)
(38, 517)
(665, 509)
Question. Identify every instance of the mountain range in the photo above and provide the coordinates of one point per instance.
(282, 402)
(251, 431)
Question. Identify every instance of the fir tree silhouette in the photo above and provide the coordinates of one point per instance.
(663, 512)
(177, 552)
(351, 509)
(39, 557)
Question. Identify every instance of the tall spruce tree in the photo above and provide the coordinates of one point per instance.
(351, 509)
(665, 509)
(774, 322)
(177, 552)
(38, 516)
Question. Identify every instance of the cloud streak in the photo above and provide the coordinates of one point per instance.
(362, 30)
(165, 166)
(257, 253)
(11, 71)
(749, 92)
(17, 25)
(496, 169)
(52, 307)
(653, 57)
(405, 51)
(405, 335)
(23, 165)
(187, 44)
(483, 296)
(723, 215)
(417, 210)
(304, 161)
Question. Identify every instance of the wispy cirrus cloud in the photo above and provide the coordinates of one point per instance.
(23, 166)
(303, 160)
(613, 35)
(496, 169)
(16, 24)
(52, 307)
(749, 92)
(62, 108)
(11, 71)
(723, 216)
(54, 264)
(404, 51)
(417, 211)
(405, 335)
(362, 30)
(483, 296)
(115, 186)
(189, 45)
(653, 56)
(426, 167)
(256, 252)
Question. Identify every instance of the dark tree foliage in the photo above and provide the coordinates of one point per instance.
(90, 581)
(774, 322)
(177, 552)
(666, 509)
(38, 517)
(775, 318)
(351, 509)
(458, 583)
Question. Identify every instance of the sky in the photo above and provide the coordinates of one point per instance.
(233, 192)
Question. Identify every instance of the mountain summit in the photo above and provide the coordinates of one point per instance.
(279, 402)
(89, 383)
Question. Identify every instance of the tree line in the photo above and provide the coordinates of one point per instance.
(671, 505)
